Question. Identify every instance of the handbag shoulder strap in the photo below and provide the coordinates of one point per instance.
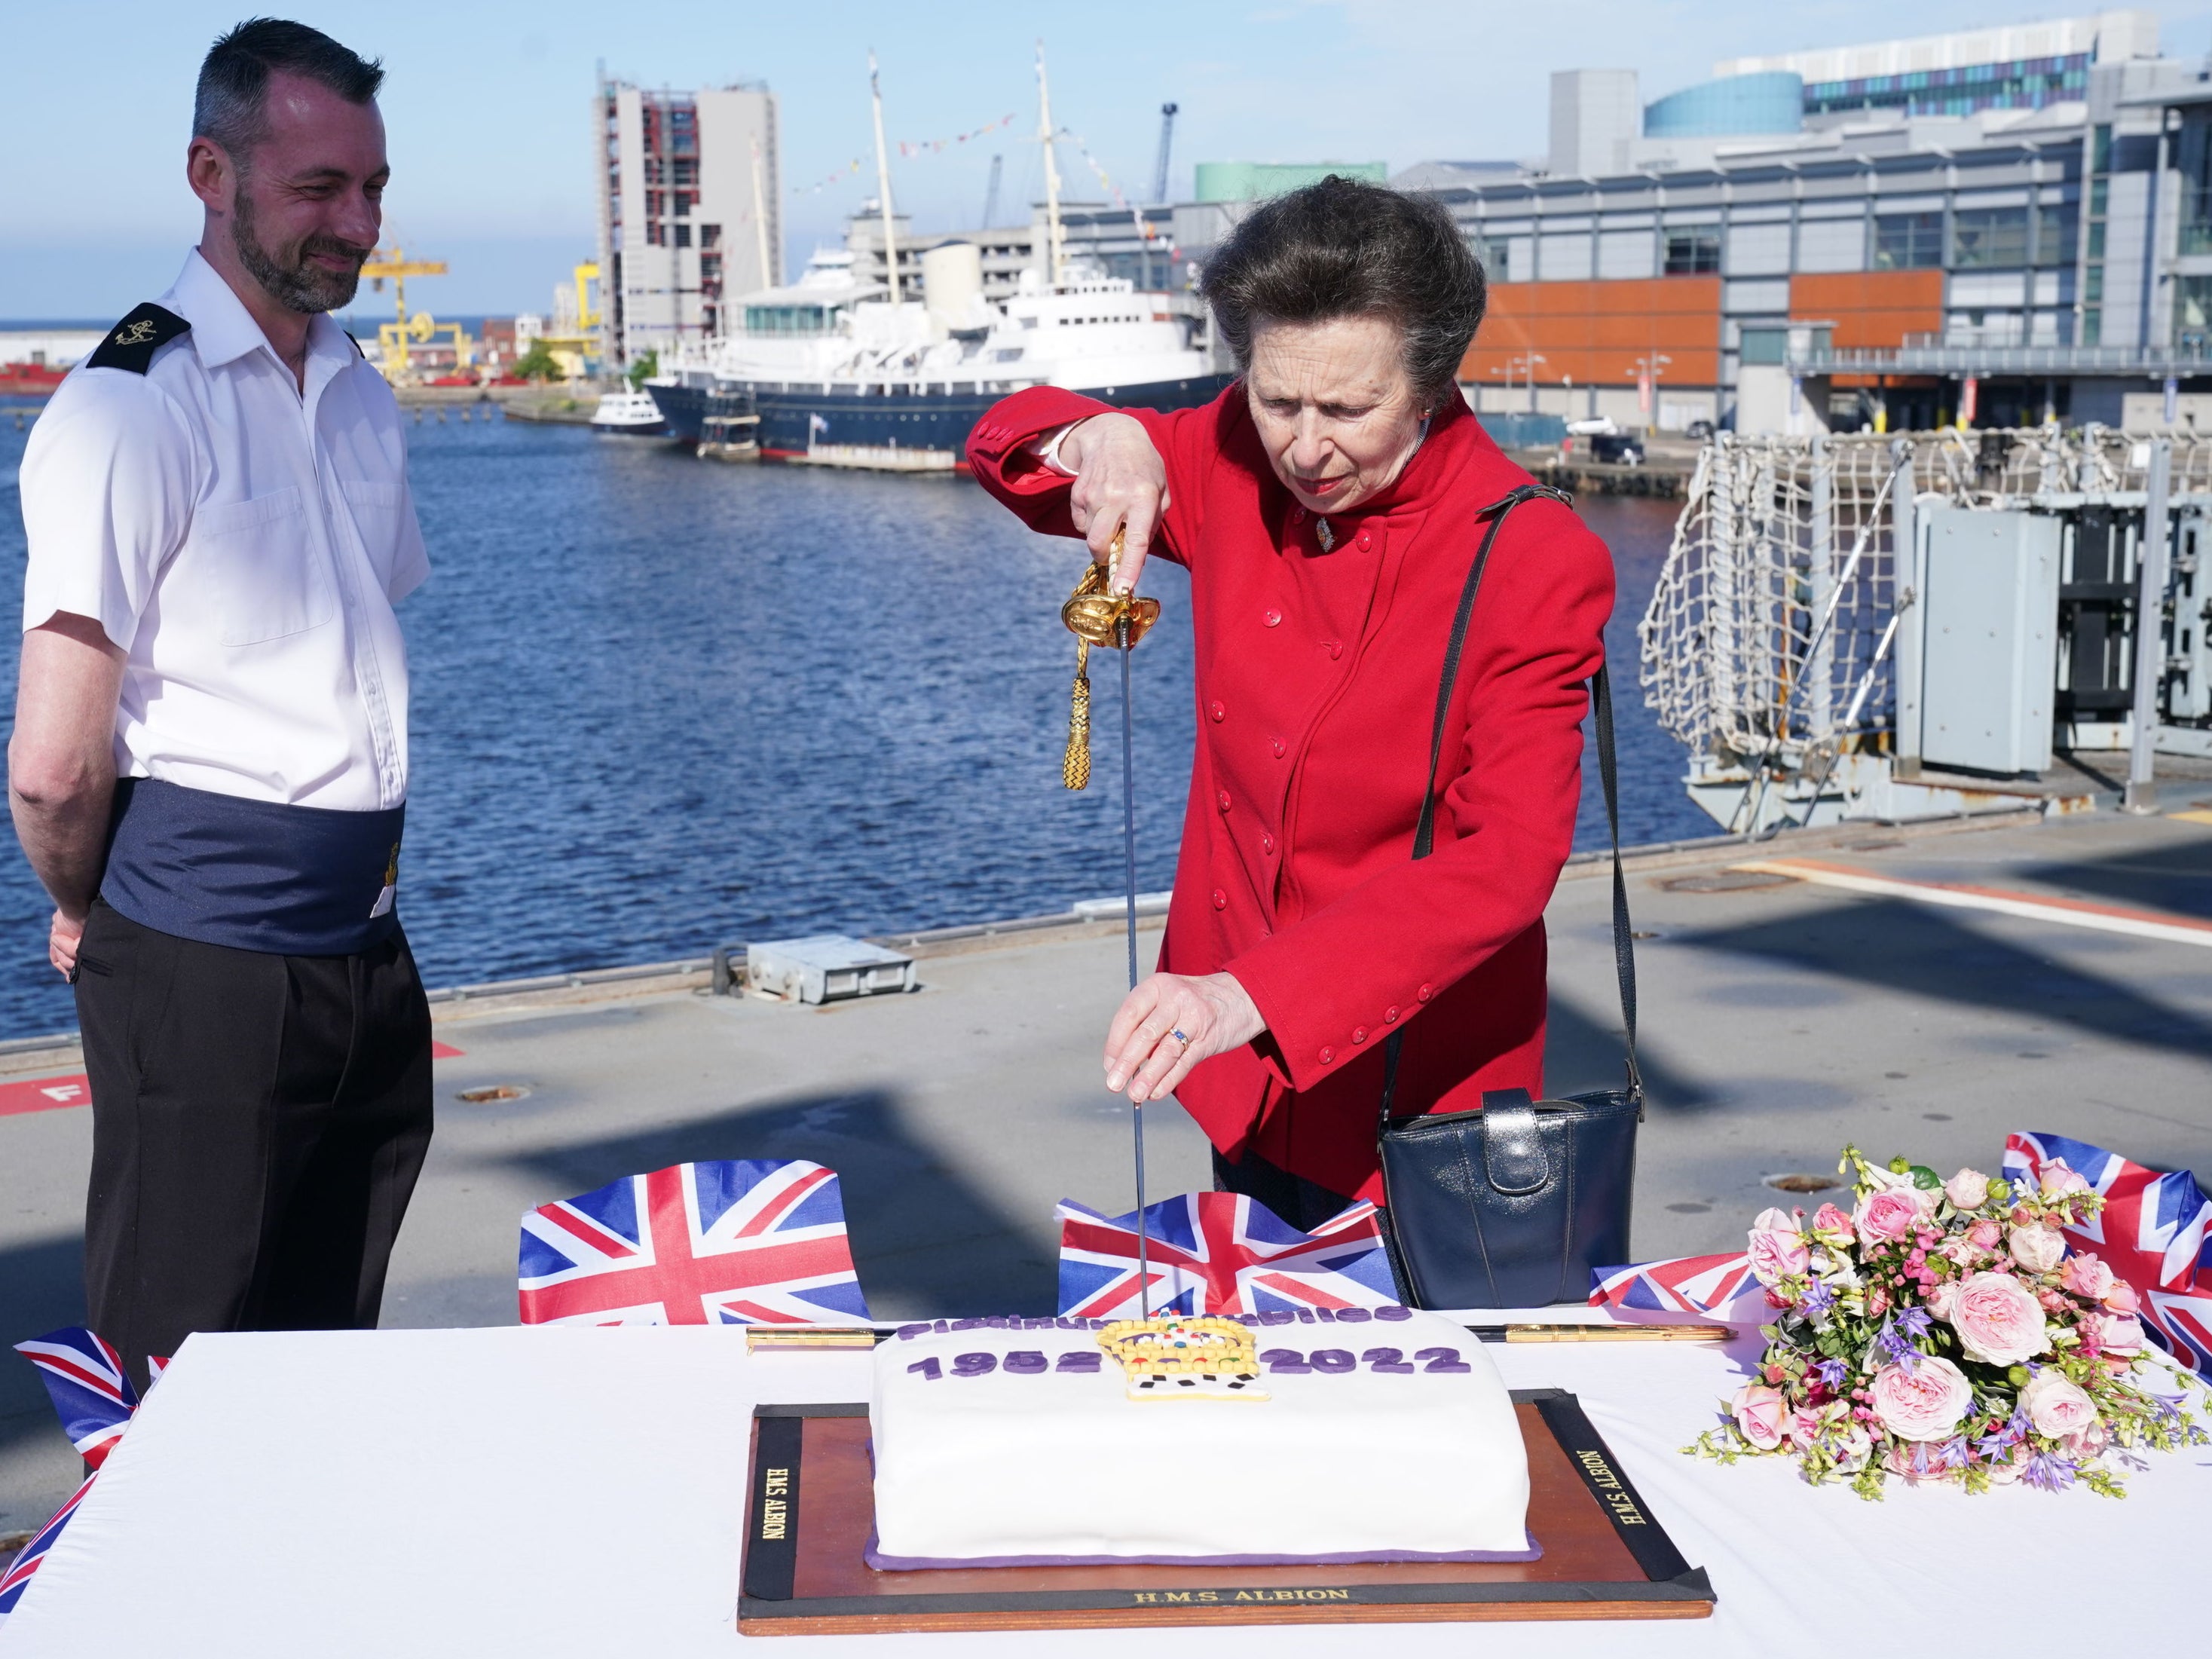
(1623, 948)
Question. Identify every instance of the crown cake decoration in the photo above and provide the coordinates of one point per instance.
(1185, 1357)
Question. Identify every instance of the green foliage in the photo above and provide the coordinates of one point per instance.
(644, 369)
(537, 364)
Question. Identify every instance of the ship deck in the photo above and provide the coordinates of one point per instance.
(1781, 1017)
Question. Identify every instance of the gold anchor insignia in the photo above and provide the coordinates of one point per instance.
(1096, 615)
(137, 334)
(392, 869)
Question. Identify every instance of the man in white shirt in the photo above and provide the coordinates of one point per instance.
(209, 770)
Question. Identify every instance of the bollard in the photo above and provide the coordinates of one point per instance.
(719, 978)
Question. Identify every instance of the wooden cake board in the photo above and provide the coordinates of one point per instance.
(812, 1507)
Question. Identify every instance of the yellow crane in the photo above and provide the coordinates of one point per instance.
(572, 339)
(420, 328)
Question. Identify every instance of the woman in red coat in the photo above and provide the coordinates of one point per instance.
(1327, 506)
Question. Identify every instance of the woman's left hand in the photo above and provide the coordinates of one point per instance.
(1169, 1023)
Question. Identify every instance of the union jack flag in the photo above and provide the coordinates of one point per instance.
(1217, 1253)
(732, 1243)
(91, 1392)
(1688, 1284)
(2154, 1231)
(15, 1577)
(92, 1396)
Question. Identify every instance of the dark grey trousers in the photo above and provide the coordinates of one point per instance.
(259, 1123)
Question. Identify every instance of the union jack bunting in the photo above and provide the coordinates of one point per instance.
(2154, 1231)
(91, 1392)
(1688, 1284)
(732, 1243)
(15, 1577)
(1218, 1253)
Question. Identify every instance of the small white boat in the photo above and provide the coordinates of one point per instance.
(629, 414)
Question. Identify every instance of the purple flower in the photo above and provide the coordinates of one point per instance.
(1833, 1374)
(2049, 1471)
(1913, 1322)
(1895, 1340)
(1818, 1298)
(1953, 1453)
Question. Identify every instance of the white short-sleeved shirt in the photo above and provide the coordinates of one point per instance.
(244, 543)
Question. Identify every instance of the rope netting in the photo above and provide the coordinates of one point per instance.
(1768, 637)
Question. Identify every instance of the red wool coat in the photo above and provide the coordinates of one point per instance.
(1317, 681)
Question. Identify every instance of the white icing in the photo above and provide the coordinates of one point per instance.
(1054, 1462)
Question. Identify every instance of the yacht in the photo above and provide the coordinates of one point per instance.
(631, 414)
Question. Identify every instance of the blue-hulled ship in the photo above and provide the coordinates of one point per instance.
(837, 372)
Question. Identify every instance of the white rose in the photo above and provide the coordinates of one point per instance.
(1969, 1189)
(2037, 1248)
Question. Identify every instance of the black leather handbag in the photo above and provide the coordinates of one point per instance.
(1511, 1207)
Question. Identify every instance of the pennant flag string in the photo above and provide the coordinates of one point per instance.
(908, 149)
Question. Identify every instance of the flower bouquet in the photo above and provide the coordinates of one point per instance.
(1939, 1331)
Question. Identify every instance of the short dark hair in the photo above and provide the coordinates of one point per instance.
(1347, 248)
(231, 104)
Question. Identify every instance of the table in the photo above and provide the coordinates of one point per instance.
(558, 1491)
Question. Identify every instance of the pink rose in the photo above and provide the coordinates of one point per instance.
(1832, 1226)
(2056, 1406)
(1985, 1234)
(2036, 1248)
(2118, 1334)
(1924, 1403)
(1883, 1217)
(1969, 1189)
(1777, 1248)
(1943, 1297)
(2088, 1277)
(1998, 1320)
(2084, 1442)
(2056, 1179)
(1802, 1429)
(2122, 1298)
(1760, 1412)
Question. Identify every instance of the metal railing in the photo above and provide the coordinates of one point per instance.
(1929, 355)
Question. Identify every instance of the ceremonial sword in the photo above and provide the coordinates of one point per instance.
(1096, 615)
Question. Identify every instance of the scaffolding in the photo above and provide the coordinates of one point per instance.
(1770, 646)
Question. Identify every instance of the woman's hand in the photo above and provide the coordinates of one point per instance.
(1121, 484)
(1171, 1022)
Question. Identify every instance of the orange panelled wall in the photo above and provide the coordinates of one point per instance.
(1594, 332)
(1871, 308)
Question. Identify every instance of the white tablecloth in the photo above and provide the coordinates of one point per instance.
(551, 1492)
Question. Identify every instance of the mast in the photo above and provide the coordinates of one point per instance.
(1055, 236)
(768, 273)
(884, 181)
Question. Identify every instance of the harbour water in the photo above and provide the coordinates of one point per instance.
(663, 704)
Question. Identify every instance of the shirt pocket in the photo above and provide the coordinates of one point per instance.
(375, 508)
(257, 568)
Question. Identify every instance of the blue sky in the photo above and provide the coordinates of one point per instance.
(487, 105)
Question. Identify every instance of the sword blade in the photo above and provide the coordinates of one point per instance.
(1129, 868)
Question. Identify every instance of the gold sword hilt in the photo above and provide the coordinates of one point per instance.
(1096, 615)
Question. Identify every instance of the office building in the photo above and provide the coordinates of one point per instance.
(2029, 255)
(689, 194)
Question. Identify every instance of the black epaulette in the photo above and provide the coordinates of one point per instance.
(357, 351)
(132, 343)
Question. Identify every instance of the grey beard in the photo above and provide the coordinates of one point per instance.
(302, 287)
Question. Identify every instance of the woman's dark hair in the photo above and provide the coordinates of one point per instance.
(1345, 248)
(231, 104)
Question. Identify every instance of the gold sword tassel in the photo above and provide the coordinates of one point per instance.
(1096, 615)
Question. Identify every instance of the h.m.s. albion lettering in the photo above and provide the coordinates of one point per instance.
(775, 1509)
(1609, 1488)
(1166, 1598)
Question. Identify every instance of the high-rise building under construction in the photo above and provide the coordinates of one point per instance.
(689, 187)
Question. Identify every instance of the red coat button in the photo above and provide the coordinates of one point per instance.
(1273, 618)
(1297, 515)
(1388, 1015)
(1365, 540)
(1220, 899)
(1334, 647)
(1326, 1056)
(1281, 747)
(1219, 711)
(1359, 1034)
(1425, 993)
(1222, 800)
(1267, 844)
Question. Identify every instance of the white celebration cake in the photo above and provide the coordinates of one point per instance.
(1376, 1435)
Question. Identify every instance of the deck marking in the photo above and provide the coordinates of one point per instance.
(2192, 816)
(44, 1094)
(2072, 912)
